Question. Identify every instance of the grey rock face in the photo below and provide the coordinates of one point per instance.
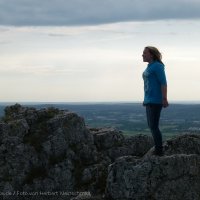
(184, 144)
(50, 150)
(113, 144)
(176, 175)
(41, 150)
(107, 138)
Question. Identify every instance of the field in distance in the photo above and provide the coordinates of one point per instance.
(130, 118)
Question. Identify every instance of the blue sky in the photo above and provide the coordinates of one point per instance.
(89, 50)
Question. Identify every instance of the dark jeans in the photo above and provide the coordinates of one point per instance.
(153, 116)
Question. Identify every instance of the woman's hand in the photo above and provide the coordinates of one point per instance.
(164, 94)
(165, 103)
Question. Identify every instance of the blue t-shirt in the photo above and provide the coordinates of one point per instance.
(154, 77)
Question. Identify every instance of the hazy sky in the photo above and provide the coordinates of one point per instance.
(91, 50)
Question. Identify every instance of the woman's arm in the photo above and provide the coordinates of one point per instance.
(164, 96)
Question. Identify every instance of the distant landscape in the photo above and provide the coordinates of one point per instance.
(130, 118)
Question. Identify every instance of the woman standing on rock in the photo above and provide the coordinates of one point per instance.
(155, 93)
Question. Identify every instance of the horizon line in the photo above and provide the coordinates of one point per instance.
(93, 102)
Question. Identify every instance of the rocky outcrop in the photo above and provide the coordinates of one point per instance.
(51, 154)
(43, 150)
(176, 175)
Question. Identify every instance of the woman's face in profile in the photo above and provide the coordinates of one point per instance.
(147, 57)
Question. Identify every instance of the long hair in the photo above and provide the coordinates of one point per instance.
(157, 56)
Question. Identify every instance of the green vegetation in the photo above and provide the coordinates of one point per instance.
(11, 112)
(130, 118)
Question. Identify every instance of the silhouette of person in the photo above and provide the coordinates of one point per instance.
(155, 93)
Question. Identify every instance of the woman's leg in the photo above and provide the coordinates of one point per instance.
(153, 116)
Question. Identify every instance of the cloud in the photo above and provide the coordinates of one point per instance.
(90, 12)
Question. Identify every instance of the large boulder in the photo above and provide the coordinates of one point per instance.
(113, 144)
(43, 150)
(174, 176)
